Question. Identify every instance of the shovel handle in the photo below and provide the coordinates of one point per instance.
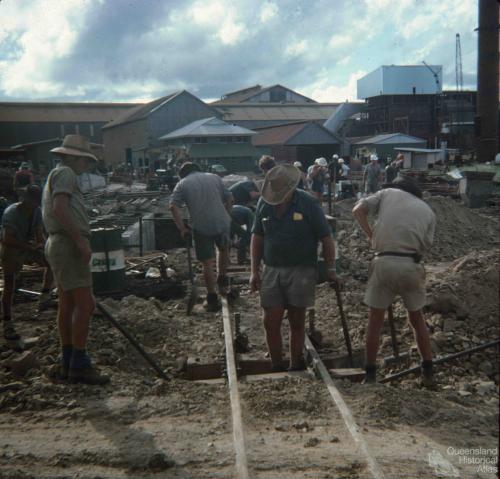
(343, 320)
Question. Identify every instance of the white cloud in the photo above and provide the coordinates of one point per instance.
(324, 90)
(340, 41)
(220, 17)
(268, 11)
(296, 49)
(45, 33)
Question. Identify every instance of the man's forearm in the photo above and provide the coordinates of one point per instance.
(328, 251)
(361, 216)
(177, 216)
(256, 248)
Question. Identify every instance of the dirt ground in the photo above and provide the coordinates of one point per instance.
(140, 426)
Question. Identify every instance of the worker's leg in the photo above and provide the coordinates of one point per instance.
(421, 334)
(375, 322)
(84, 305)
(9, 284)
(208, 275)
(65, 317)
(222, 260)
(272, 324)
(48, 278)
(296, 318)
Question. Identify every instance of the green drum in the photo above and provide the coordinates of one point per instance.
(108, 260)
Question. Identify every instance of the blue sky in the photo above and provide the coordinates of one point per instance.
(138, 50)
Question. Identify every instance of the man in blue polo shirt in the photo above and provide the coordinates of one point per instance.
(288, 225)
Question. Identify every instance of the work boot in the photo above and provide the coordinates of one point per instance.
(9, 331)
(427, 379)
(370, 374)
(223, 284)
(212, 303)
(87, 375)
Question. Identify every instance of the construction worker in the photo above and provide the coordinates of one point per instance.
(209, 203)
(403, 232)
(266, 163)
(372, 175)
(242, 219)
(22, 242)
(244, 192)
(317, 174)
(68, 253)
(23, 178)
(303, 184)
(288, 225)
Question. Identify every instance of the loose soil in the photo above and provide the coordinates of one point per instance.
(144, 427)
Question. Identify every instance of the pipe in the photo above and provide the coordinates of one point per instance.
(441, 360)
(132, 340)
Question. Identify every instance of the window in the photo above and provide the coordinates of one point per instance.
(91, 129)
(62, 131)
(199, 139)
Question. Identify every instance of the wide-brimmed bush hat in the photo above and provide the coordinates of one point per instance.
(280, 182)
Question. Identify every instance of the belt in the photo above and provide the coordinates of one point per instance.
(415, 256)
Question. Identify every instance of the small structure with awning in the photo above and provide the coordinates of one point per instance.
(420, 158)
(300, 141)
(213, 141)
(384, 145)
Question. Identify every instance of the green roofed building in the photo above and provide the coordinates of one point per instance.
(212, 141)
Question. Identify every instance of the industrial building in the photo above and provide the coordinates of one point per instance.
(213, 141)
(301, 141)
(30, 122)
(257, 107)
(134, 136)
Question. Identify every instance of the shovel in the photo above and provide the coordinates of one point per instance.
(335, 285)
(193, 291)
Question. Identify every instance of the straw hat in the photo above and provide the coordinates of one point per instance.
(75, 145)
(279, 183)
(321, 161)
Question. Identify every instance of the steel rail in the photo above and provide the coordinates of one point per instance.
(344, 410)
(232, 379)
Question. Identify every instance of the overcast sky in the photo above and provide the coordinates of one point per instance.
(138, 50)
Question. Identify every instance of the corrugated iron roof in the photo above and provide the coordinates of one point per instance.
(142, 111)
(277, 111)
(240, 96)
(62, 112)
(391, 138)
(285, 134)
(208, 127)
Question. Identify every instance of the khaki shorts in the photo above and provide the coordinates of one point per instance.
(288, 286)
(13, 259)
(390, 276)
(70, 272)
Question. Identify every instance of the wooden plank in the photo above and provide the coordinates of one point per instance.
(232, 378)
(345, 412)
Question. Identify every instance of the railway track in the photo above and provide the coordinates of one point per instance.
(250, 462)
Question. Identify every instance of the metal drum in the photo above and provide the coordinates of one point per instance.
(108, 261)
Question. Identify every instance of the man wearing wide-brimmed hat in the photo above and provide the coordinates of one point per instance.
(288, 225)
(68, 252)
